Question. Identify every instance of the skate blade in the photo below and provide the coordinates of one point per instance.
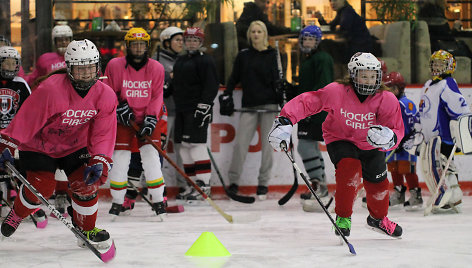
(102, 246)
(161, 217)
(114, 217)
(395, 207)
(262, 197)
(381, 232)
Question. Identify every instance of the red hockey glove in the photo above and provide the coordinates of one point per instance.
(7, 150)
(97, 169)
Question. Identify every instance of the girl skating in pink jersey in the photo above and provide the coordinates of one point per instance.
(363, 122)
(69, 122)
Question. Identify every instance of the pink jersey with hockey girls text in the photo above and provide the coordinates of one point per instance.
(46, 63)
(348, 119)
(141, 89)
(56, 121)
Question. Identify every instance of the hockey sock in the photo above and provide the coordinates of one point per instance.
(377, 198)
(43, 182)
(152, 172)
(348, 179)
(119, 175)
(61, 187)
(203, 171)
(412, 180)
(85, 211)
(397, 178)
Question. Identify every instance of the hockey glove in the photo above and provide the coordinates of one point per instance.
(202, 114)
(284, 90)
(226, 104)
(97, 169)
(7, 149)
(381, 137)
(280, 133)
(124, 114)
(148, 127)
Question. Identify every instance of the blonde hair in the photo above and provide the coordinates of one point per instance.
(264, 29)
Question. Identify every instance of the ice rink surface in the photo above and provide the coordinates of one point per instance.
(282, 237)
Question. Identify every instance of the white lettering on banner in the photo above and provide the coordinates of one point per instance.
(58, 65)
(77, 117)
(358, 121)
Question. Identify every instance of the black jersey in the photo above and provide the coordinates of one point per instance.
(12, 95)
(195, 81)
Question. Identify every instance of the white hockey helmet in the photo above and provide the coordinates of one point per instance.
(365, 61)
(169, 32)
(82, 52)
(61, 31)
(5, 53)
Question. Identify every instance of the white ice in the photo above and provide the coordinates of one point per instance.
(283, 237)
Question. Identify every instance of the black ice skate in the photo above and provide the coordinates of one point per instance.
(344, 225)
(398, 196)
(10, 223)
(194, 197)
(115, 209)
(385, 226)
(160, 209)
(415, 202)
(262, 192)
(99, 238)
(40, 218)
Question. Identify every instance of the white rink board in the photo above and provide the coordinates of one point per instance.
(282, 173)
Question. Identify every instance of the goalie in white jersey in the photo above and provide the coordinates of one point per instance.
(441, 103)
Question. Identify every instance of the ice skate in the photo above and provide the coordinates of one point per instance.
(115, 210)
(262, 192)
(128, 205)
(415, 202)
(398, 197)
(194, 197)
(160, 209)
(99, 238)
(183, 193)
(344, 225)
(384, 226)
(61, 203)
(40, 218)
(10, 223)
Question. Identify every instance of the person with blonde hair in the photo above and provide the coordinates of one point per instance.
(256, 69)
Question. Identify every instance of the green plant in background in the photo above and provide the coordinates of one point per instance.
(395, 10)
(208, 8)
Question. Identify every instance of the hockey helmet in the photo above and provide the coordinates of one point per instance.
(310, 31)
(79, 53)
(170, 32)
(194, 32)
(137, 34)
(362, 61)
(61, 31)
(442, 63)
(8, 52)
(395, 79)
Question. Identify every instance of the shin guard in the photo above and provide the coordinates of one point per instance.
(377, 198)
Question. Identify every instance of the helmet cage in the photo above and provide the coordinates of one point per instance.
(365, 61)
(448, 66)
(310, 31)
(80, 53)
(7, 52)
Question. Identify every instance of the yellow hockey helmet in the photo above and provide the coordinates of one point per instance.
(442, 62)
(137, 34)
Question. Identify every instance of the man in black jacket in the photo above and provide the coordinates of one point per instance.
(255, 11)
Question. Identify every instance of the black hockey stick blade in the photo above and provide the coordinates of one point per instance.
(105, 257)
(351, 248)
(235, 197)
(294, 187)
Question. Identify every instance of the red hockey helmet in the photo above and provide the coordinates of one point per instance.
(194, 32)
(395, 79)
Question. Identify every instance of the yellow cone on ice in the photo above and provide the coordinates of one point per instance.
(207, 245)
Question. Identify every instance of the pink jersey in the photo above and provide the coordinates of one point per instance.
(46, 63)
(56, 121)
(348, 119)
(141, 89)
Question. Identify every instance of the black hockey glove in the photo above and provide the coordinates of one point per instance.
(163, 141)
(203, 114)
(284, 90)
(226, 104)
(124, 114)
(148, 126)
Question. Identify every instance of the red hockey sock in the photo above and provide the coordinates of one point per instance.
(377, 198)
(348, 179)
(397, 178)
(43, 182)
(61, 187)
(412, 180)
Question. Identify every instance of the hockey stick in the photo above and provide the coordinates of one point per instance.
(173, 209)
(227, 217)
(105, 257)
(295, 166)
(236, 197)
(429, 204)
(294, 187)
(245, 110)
